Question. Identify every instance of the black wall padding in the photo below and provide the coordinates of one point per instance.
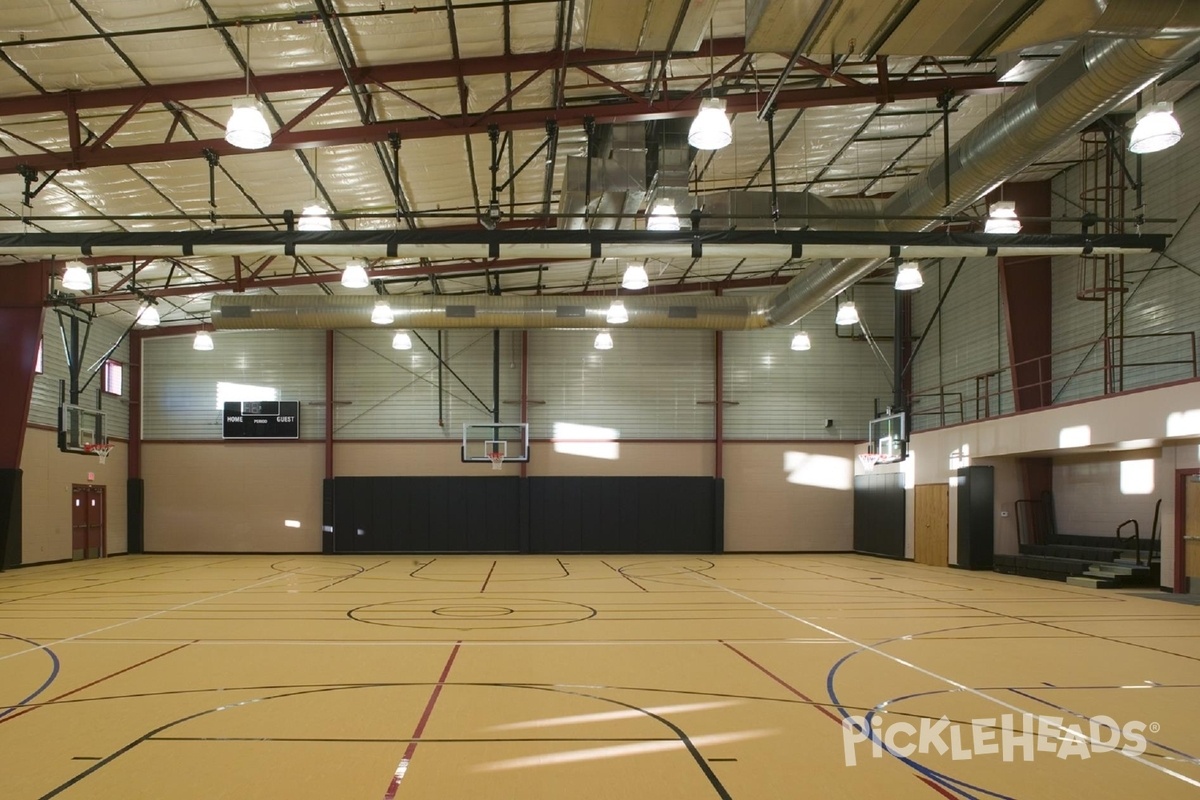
(879, 514)
(327, 515)
(135, 498)
(10, 518)
(427, 515)
(976, 517)
(527, 515)
(623, 515)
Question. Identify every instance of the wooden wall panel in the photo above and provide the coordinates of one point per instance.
(931, 503)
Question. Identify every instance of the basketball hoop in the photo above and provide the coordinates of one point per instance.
(868, 460)
(101, 450)
(497, 459)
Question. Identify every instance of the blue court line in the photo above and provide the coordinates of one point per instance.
(1036, 699)
(45, 685)
(953, 784)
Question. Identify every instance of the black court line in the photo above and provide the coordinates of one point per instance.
(355, 575)
(483, 588)
(623, 575)
(109, 583)
(422, 739)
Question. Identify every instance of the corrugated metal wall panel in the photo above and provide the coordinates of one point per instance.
(784, 394)
(180, 385)
(647, 387)
(43, 409)
(969, 341)
(393, 394)
(1163, 291)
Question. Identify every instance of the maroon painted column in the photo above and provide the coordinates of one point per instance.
(22, 297)
(1025, 285)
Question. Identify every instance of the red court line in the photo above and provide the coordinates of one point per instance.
(932, 785)
(402, 767)
(488, 578)
(45, 703)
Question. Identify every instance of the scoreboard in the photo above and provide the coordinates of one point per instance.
(276, 419)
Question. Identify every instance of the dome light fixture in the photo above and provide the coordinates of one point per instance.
(402, 341)
(635, 277)
(382, 313)
(147, 316)
(847, 314)
(801, 341)
(663, 217)
(314, 217)
(354, 274)
(604, 341)
(1002, 218)
(617, 314)
(247, 128)
(710, 129)
(203, 341)
(1155, 128)
(909, 277)
(76, 277)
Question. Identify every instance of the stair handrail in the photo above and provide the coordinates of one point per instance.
(1154, 533)
(1137, 540)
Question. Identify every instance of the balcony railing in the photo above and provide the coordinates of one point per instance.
(1111, 365)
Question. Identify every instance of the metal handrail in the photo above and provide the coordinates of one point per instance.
(1137, 540)
(989, 392)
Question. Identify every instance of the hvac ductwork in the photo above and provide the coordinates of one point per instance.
(1089, 80)
(242, 312)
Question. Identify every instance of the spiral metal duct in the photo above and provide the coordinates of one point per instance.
(1133, 43)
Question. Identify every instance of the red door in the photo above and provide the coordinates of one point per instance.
(87, 521)
(79, 521)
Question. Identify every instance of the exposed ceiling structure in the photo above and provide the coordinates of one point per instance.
(508, 115)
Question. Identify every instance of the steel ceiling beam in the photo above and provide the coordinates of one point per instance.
(65, 102)
(627, 110)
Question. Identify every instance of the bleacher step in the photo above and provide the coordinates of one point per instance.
(1110, 570)
(1091, 582)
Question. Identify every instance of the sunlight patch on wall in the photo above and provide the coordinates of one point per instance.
(825, 472)
(1077, 436)
(1137, 477)
(244, 393)
(588, 441)
(1184, 423)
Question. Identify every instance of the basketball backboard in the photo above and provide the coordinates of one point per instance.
(481, 441)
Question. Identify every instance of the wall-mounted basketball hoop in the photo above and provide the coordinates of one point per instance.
(100, 449)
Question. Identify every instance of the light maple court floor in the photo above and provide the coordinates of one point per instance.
(586, 677)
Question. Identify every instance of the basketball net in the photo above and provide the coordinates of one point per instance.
(101, 450)
(868, 460)
(497, 460)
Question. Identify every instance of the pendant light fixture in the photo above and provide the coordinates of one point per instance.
(635, 277)
(203, 341)
(354, 274)
(710, 129)
(847, 314)
(909, 277)
(617, 314)
(801, 341)
(382, 313)
(1155, 128)
(147, 316)
(663, 217)
(1002, 218)
(247, 127)
(604, 341)
(315, 217)
(76, 277)
(402, 341)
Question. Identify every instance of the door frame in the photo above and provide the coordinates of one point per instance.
(1181, 477)
(102, 490)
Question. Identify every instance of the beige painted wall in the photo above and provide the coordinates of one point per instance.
(691, 459)
(233, 497)
(790, 496)
(47, 476)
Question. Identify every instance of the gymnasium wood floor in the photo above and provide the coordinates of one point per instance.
(581, 677)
